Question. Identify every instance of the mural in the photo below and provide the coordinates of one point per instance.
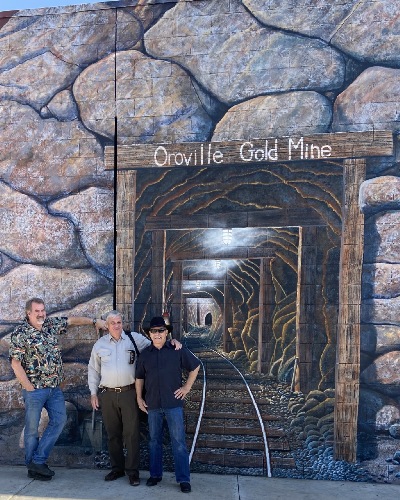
(119, 181)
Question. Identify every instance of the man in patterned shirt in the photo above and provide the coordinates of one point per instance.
(36, 360)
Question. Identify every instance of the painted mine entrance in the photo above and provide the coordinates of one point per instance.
(260, 240)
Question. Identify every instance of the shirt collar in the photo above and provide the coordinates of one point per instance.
(28, 325)
(167, 345)
(112, 339)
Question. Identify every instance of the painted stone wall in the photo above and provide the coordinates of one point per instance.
(184, 71)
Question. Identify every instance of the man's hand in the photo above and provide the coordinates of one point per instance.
(100, 325)
(94, 401)
(181, 392)
(185, 389)
(21, 375)
(142, 404)
(176, 344)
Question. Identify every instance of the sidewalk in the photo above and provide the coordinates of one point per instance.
(89, 484)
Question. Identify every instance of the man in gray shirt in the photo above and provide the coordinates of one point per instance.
(111, 373)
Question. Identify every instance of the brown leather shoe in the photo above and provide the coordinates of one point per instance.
(134, 480)
(114, 474)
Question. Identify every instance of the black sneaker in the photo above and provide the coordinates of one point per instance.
(186, 488)
(42, 469)
(152, 481)
(39, 477)
(50, 470)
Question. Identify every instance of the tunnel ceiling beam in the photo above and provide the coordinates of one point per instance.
(274, 217)
(225, 253)
(314, 147)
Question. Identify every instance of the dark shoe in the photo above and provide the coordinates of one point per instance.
(152, 481)
(134, 480)
(50, 470)
(114, 474)
(186, 488)
(42, 469)
(39, 477)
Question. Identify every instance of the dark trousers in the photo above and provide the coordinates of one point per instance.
(121, 421)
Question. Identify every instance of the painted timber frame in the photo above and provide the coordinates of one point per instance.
(354, 149)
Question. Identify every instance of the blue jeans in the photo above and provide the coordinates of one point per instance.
(38, 450)
(174, 417)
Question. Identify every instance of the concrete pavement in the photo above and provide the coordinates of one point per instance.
(89, 484)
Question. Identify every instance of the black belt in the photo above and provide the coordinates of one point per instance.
(119, 389)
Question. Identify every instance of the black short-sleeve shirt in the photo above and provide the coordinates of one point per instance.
(161, 370)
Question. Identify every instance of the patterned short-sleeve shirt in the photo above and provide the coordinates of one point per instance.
(39, 351)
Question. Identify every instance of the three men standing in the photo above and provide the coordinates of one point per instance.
(36, 360)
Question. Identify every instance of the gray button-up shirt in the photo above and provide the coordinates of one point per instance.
(109, 361)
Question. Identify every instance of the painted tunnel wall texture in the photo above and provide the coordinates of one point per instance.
(77, 80)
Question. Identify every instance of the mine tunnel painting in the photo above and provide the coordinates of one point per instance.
(262, 262)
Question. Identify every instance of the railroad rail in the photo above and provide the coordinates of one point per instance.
(228, 424)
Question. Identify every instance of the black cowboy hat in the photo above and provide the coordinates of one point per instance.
(157, 322)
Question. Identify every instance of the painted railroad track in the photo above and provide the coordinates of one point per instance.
(228, 424)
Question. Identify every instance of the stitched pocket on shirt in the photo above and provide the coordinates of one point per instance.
(104, 355)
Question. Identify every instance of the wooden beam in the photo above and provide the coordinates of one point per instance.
(157, 273)
(125, 245)
(306, 309)
(340, 145)
(347, 374)
(204, 282)
(274, 217)
(227, 319)
(203, 275)
(177, 300)
(236, 253)
(266, 303)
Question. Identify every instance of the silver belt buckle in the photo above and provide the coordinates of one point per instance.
(118, 389)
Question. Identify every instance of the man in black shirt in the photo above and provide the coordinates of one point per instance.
(159, 370)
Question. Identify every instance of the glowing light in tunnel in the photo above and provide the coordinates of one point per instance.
(227, 236)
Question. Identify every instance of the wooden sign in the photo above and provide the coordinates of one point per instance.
(283, 149)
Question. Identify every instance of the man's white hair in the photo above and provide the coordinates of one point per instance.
(113, 314)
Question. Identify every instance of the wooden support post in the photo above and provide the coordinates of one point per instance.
(347, 375)
(185, 323)
(157, 272)
(177, 313)
(306, 308)
(227, 318)
(265, 308)
(198, 314)
(125, 245)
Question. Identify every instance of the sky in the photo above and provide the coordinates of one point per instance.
(36, 4)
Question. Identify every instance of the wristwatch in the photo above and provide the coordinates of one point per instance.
(94, 321)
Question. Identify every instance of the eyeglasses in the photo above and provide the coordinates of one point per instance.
(158, 330)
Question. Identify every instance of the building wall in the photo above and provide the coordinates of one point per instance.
(191, 71)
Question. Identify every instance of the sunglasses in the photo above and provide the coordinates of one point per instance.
(158, 330)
